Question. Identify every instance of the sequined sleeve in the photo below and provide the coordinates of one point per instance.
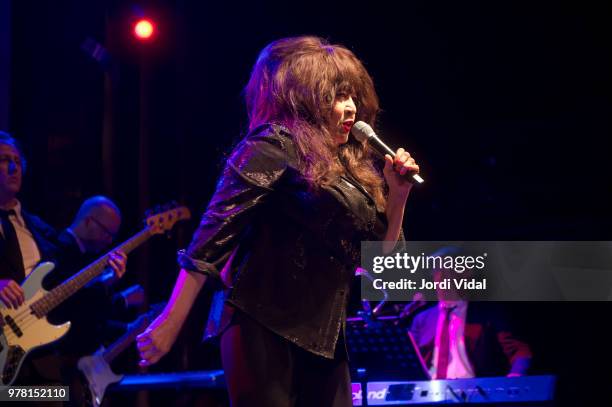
(250, 175)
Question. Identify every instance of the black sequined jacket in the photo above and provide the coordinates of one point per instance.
(285, 255)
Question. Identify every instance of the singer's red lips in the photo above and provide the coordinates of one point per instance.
(346, 125)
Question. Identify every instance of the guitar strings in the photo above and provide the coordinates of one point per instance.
(27, 310)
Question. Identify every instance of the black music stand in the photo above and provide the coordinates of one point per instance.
(383, 352)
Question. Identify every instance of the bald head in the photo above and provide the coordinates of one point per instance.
(96, 223)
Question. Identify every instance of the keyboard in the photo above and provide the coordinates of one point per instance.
(484, 390)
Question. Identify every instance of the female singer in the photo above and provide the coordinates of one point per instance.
(283, 229)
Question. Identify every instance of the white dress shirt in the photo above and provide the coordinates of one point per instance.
(459, 366)
(27, 244)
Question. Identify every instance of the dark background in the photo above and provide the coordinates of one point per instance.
(504, 104)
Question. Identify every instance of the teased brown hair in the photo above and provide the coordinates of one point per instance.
(294, 83)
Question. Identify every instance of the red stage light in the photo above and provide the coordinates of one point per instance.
(144, 29)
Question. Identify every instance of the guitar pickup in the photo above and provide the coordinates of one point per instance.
(13, 325)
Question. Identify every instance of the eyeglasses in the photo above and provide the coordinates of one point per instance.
(104, 228)
(10, 160)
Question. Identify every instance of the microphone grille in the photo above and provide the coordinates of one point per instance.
(362, 131)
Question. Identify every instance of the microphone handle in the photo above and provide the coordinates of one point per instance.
(382, 149)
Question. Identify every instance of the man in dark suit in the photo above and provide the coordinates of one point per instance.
(461, 339)
(92, 231)
(26, 240)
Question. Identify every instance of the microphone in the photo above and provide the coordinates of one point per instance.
(363, 132)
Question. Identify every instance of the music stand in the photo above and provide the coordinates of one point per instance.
(383, 352)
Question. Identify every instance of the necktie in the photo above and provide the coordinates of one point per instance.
(444, 350)
(11, 244)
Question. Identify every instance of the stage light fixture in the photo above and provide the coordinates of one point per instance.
(144, 29)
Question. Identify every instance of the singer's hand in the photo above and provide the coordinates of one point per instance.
(156, 340)
(395, 169)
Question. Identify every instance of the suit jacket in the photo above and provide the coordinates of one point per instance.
(283, 253)
(69, 260)
(44, 236)
(490, 344)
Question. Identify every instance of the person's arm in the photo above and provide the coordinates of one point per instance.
(159, 337)
(399, 189)
(395, 218)
(251, 173)
(248, 178)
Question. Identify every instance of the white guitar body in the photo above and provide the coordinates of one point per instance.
(22, 331)
(98, 374)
